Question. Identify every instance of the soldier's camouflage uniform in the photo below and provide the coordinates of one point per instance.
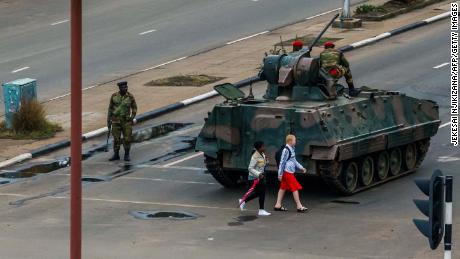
(122, 110)
(333, 58)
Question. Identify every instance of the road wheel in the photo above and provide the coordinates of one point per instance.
(383, 165)
(367, 171)
(410, 156)
(395, 161)
(350, 176)
(227, 179)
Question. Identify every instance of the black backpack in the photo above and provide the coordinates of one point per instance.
(279, 153)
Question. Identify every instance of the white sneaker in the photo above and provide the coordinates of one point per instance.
(264, 213)
(242, 205)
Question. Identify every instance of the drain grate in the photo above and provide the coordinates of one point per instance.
(174, 215)
(345, 202)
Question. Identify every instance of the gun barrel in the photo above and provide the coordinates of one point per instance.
(322, 32)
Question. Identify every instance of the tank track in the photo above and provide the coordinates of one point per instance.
(330, 172)
(214, 167)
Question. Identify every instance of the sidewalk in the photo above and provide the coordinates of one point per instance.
(234, 62)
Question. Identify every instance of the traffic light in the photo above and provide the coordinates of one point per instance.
(433, 228)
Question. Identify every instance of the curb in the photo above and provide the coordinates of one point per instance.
(178, 105)
(394, 32)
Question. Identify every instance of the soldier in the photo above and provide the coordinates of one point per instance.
(121, 114)
(297, 45)
(335, 63)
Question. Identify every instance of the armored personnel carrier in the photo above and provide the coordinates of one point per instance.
(352, 143)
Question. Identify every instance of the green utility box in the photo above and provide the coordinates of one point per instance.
(13, 93)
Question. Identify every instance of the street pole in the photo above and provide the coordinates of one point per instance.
(448, 219)
(76, 126)
(346, 14)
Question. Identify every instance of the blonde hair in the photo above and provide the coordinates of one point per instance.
(289, 138)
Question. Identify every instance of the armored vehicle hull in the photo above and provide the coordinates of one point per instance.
(352, 143)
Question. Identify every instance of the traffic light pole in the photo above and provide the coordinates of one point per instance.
(448, 218)
(76, 129)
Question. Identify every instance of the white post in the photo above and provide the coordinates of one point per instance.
(346, 13)
(448, 219)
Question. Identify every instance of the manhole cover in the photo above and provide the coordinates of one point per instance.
(5, 181)
(93, 179)
(175, 215)
(345, 202)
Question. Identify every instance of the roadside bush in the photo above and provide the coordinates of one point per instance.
(30, 122)
(368, 8)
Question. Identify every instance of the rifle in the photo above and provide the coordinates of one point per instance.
(109, 126)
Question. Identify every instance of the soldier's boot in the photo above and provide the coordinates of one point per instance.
(116, 155)
(351, 89)
(127, 158)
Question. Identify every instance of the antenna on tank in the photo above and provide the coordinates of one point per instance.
(251, 95)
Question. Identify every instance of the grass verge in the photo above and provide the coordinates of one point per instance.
(185, 80)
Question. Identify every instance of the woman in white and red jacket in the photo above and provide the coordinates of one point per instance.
(256, 179)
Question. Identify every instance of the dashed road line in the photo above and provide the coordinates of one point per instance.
(247, 37)
(147, 32)
(184, 159)
(447, 159)
(19, 69)
(163, 180)
(321, 14)
(189, 168)
(149, 203)
(444, 125)
(441, 65)
(59, 22)
(164, 64)
(128, 201)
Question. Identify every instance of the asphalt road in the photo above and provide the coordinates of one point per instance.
(165, 174)
(121, 37)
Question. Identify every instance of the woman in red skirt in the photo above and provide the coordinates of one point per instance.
(286, 170)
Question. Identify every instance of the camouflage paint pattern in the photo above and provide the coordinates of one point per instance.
(333, 130)
(328, 128)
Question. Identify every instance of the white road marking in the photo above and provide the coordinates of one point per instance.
(444, 125)
(19, 69)
(248, 37)
(147, 32)
(441, 65)
(446, 159)
(190, 168)
(67, 94)
(321, 14)
(59, 97)
(14, 195)
(184, 159)
(149, 203)
(128, 201)
(89, 87)
(164, 64)
(59, 22)
(162, 180)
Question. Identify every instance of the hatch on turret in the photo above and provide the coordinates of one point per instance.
(229, 91)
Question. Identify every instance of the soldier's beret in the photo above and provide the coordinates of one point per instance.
(329, 44)
(122, 83)
(297, 43)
